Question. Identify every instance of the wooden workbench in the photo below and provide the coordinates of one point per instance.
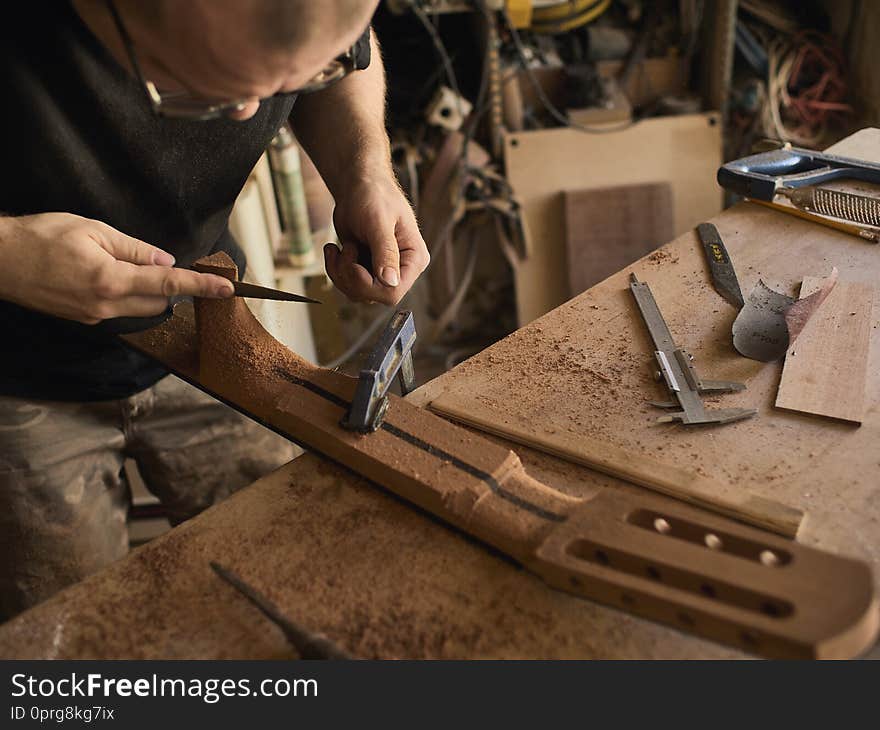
(384, 580)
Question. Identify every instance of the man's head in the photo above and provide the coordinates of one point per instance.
(232, 49)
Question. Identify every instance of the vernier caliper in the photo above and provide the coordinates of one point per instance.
(678, 372)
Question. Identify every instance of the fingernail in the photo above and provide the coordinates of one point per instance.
(225, 289)
(389, 276)
(163, 258)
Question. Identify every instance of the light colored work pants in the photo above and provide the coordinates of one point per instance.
(63, 495)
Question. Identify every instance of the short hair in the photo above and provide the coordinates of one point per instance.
(287, 23)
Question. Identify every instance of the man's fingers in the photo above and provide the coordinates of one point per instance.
(412, 264)
(138, 306)
(414, 256)
(125, 248)
(346, 273)
(413, 249)
(170, 282)
(386, 257)
(331, 265)
(352, 279)
(410, 255)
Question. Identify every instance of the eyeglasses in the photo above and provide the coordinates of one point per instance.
(183, 105)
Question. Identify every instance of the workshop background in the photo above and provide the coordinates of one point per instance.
(546, 145)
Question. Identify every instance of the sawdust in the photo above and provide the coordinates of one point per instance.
(158, 337)
(220, 260)
(565, 363)
(227, 341)
(662, 256)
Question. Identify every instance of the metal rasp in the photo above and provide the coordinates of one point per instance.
(720, 266)
(678, 372)
(834, 203)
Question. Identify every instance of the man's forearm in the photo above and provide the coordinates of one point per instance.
(342, 128)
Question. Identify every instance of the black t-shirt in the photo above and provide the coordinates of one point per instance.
(80, 137)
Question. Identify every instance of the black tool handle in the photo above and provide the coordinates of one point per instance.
(720, 265)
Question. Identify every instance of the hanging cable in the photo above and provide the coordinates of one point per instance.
(359, 343)
(469, 126)
(452, 308)
(806, 88)
(542, 96)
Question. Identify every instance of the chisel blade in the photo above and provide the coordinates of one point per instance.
(308, 644)
(721, 267)
(253, 291)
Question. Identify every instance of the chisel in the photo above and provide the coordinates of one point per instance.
(254, 291)
(308, 644)
(721, 267)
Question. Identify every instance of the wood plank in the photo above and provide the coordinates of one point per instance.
(609, 228)
(673, 481)
(683, 150)
(825, 369)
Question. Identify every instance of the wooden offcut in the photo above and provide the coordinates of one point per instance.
(668, 479)
(825, 369)
(684, 151)
(609, 228)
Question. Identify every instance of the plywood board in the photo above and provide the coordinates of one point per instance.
(825, 368)
(684, 151)
(609, 228)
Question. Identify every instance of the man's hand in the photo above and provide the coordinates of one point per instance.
(84, 270)
(377, 217)
(342, 128)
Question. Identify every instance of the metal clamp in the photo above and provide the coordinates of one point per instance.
(392, 356)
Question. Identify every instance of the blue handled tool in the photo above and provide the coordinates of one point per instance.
(794, 173)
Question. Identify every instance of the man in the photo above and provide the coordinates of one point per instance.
(131, 127)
